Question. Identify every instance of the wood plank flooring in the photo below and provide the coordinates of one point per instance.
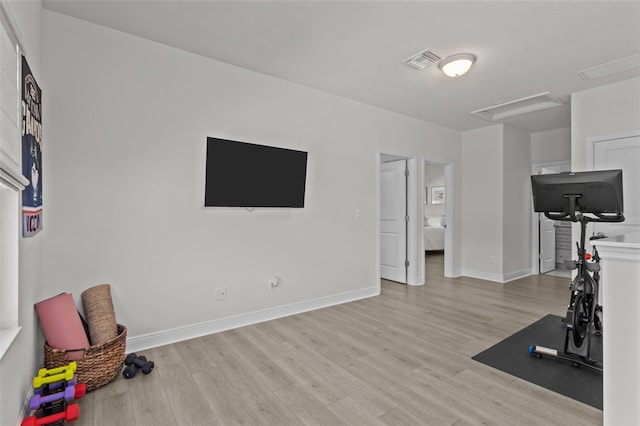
(403, 358)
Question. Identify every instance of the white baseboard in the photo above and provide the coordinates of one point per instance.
(165, 337)
(419, 281)
(498, 278)
(455, 273)
(483, 275)
(26, 411)
(516, 275)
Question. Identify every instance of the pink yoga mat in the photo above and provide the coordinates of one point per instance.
(61, 325)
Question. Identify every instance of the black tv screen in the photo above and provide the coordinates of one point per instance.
(240, 174)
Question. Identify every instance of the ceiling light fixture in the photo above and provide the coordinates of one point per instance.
(457, 65)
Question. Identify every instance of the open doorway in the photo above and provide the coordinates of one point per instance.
(434, 216)
(550, 239)
(437, 203)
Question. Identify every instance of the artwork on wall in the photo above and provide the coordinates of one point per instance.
(437, 195)
(31, 152)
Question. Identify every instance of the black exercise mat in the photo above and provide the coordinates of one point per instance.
(512, 356)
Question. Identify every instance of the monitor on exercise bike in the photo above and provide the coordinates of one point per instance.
(562, 195)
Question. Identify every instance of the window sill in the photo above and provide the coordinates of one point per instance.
(7, 336)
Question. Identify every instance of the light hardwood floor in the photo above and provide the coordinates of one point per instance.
(402, 358)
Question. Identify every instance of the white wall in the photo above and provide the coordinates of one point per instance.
(517, 207)
(551, 146)
(496, 163)
(128, 120)
(482, 194)
(605, 110)
(19, 364)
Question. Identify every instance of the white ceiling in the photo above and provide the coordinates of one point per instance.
(356, 49)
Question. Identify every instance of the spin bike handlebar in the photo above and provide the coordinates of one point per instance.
(574, 215)
(578, 217)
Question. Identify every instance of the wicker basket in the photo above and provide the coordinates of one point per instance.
(100, 363)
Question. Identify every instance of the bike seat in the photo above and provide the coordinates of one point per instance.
(570, 264)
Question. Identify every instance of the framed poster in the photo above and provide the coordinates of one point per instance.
(31, 152)
(437, 195)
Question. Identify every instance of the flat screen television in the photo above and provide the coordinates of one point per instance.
(598, 192)
(240, 174)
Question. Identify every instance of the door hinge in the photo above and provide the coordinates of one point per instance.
(406, 218)
(406, 263)
(406, 172)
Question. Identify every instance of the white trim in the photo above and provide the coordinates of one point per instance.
(535, 218)
(621, 254)
(591, 144)
(483, 275)
(449, 271)
(516, 275)
(26, 411)
(414, 254)
(455, 273)
(165, 337)
(448, 221)
(378, 164)
(11, 176)
(7, 336)
(497, 278)
(414, 277)
(14, 30)
(624, 248)
(590, 147)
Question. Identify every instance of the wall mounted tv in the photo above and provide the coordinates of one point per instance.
(240, 174)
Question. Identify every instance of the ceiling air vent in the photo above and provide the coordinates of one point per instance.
(519, 106)
(423, 59)
(613, 67)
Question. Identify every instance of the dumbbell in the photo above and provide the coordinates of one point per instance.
(134, 362)
(68, 393)
(69, 414)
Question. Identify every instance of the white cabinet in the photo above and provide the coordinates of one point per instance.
(620, 287)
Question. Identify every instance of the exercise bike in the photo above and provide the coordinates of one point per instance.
(584, 314)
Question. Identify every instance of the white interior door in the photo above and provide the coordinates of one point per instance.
(621, 153)
(393, 225)
(547, 244)
(544, 243)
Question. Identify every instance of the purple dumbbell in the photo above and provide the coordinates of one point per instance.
(54, 385)
(67, 394)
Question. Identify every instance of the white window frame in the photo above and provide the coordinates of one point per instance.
(11, 183)
(9, 284)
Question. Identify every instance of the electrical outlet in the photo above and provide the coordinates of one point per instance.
(273, 283)
(220, 293)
